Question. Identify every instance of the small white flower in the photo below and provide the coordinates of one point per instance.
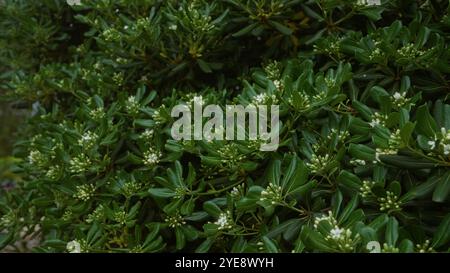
(235, 192)
(88, 139)
(374, 123)
(397, 96)
(224, 221)
(336, 233)
(147, 134)
(358, 162)
(73, 247)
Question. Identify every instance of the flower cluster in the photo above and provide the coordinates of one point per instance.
(327, 218)
(394, 143)
(120, 217)
(97, 114)
(175, 220)
(264, 99)
(400, 99)
(79, 164)
(389, 248)
(53, 172)
(318, 163)
(7, 219)
(88, 140)
(131, 187)
(132, 105)
(158, 117)
(85, 192)
(376, 54)
(378, 120)
(340, 238)
(425, 247)
(441, 141)
(300, 101)
(152, 157)
(230, 154)
(147, 134)
(357, 162)
(238, 191)
(97, 215)
(410, 51)
(37, 158)
(225, 221)
(273, 70)
(366, 188)
(272, 194)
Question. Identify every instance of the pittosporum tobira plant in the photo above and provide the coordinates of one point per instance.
(363, 158)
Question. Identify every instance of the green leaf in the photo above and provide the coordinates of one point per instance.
(212, 209)
(279, 229)
(422, 37)
(441, 113)
(395, 187)
(406, 246)
(299, 178)
(205, 245)
(281, 28)
(442, 235)
(162, 192)
(349, 180)
(364, 110)
(407, 162)
(314, 241)
(406, 132)
(351, 206)
(204, 66)
(392, 231)
(190, 233)
(426, 125)
(147, 123)
(311, 13)
(274, 172)
(180, 238)
(245, 30)
(379, 222)
(362, 152)
(269, 245)
(420, 190)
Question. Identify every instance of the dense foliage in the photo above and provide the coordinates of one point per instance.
(364, 148)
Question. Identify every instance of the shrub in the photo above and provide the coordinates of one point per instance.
(364, 151)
